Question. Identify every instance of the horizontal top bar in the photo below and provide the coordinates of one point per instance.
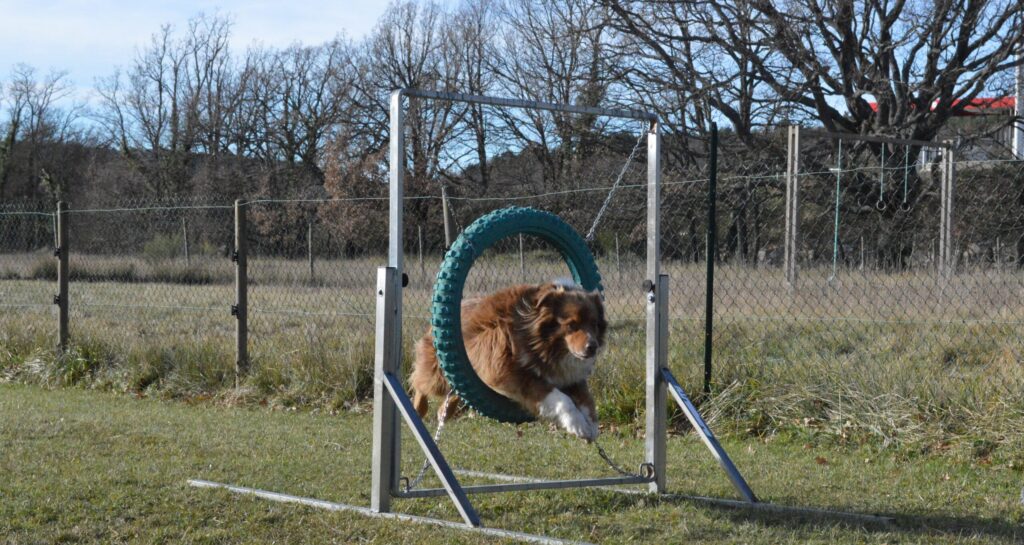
(887, 140)
(530, 104)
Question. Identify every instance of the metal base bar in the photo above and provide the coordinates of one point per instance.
(535, 485)
(437, 461)
(331, 506)
(720, 502)
(709, 438)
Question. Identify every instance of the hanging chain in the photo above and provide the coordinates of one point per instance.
(646, 469)
(615, 187)
(437, 436)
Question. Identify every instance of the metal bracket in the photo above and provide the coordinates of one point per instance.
(649, 290)
(56, 299)
(56, 251)
(702, 429)
(234, 255)
(444, 472)
(405, 280)
(234, 310)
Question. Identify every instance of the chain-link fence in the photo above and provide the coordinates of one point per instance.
(839, 287)
(27, 270)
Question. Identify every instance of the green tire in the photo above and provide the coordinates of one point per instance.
(446, 316)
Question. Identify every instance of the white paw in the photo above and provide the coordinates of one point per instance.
(559, 407)
(578, 425)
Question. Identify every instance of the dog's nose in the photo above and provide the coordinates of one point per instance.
(591, 348)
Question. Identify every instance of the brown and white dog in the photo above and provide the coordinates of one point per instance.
(535, 344)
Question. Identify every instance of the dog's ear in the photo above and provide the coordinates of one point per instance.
(549, 295)
(597, 297)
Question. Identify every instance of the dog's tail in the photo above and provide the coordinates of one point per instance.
(426, 379)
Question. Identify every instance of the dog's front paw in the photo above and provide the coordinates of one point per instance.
(591, 422)
(580, 426)
(559, 407)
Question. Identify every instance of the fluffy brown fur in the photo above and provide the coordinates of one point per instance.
(535, 344)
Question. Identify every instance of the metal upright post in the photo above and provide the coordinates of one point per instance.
(657, 323)
(388, 338)
(712, 253)
(385, 417)
(947, 259)
(63, 269)
(241, 308)
(792, 238)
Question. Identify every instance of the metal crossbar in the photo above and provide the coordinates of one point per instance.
(528, 104)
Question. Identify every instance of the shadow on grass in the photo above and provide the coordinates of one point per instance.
(794, 516)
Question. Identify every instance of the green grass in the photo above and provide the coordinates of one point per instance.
(895, 360)
(83, 466)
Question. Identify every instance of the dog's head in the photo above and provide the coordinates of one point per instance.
(570, 315)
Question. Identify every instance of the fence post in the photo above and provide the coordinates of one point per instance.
(947, 258)
(712, 251)
(63, 269)
(792, 238)
(419, 236)
(522, 260)
(309, 250)
(449, 236)
(618, 260)
(184, 241)
(241, 308)
(861, 253)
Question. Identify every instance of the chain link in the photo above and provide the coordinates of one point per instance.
(437, 437)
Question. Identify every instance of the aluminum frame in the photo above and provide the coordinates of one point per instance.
(390, 398)
(389, 330)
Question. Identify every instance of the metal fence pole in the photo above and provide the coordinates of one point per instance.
(309, 251)
(241, 308)
(63, 270)
(449, 235)
(712, 251)
(184, 241)
(618, 258)
(522, 260)
(947, 257)
(419, 237)
(792, 237)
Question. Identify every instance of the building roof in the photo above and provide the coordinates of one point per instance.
(978, 106)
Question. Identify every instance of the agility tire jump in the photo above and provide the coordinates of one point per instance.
(446, 316)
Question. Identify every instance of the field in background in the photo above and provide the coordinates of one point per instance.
(895, 358)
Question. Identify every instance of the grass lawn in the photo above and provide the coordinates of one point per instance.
(81, 466)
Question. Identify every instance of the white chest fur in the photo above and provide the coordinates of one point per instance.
(569, 371)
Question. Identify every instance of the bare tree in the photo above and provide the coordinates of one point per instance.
(35, 119)
(554, 52)
(471, 43)
(919, 62)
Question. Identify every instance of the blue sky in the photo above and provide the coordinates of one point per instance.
(90, 38)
